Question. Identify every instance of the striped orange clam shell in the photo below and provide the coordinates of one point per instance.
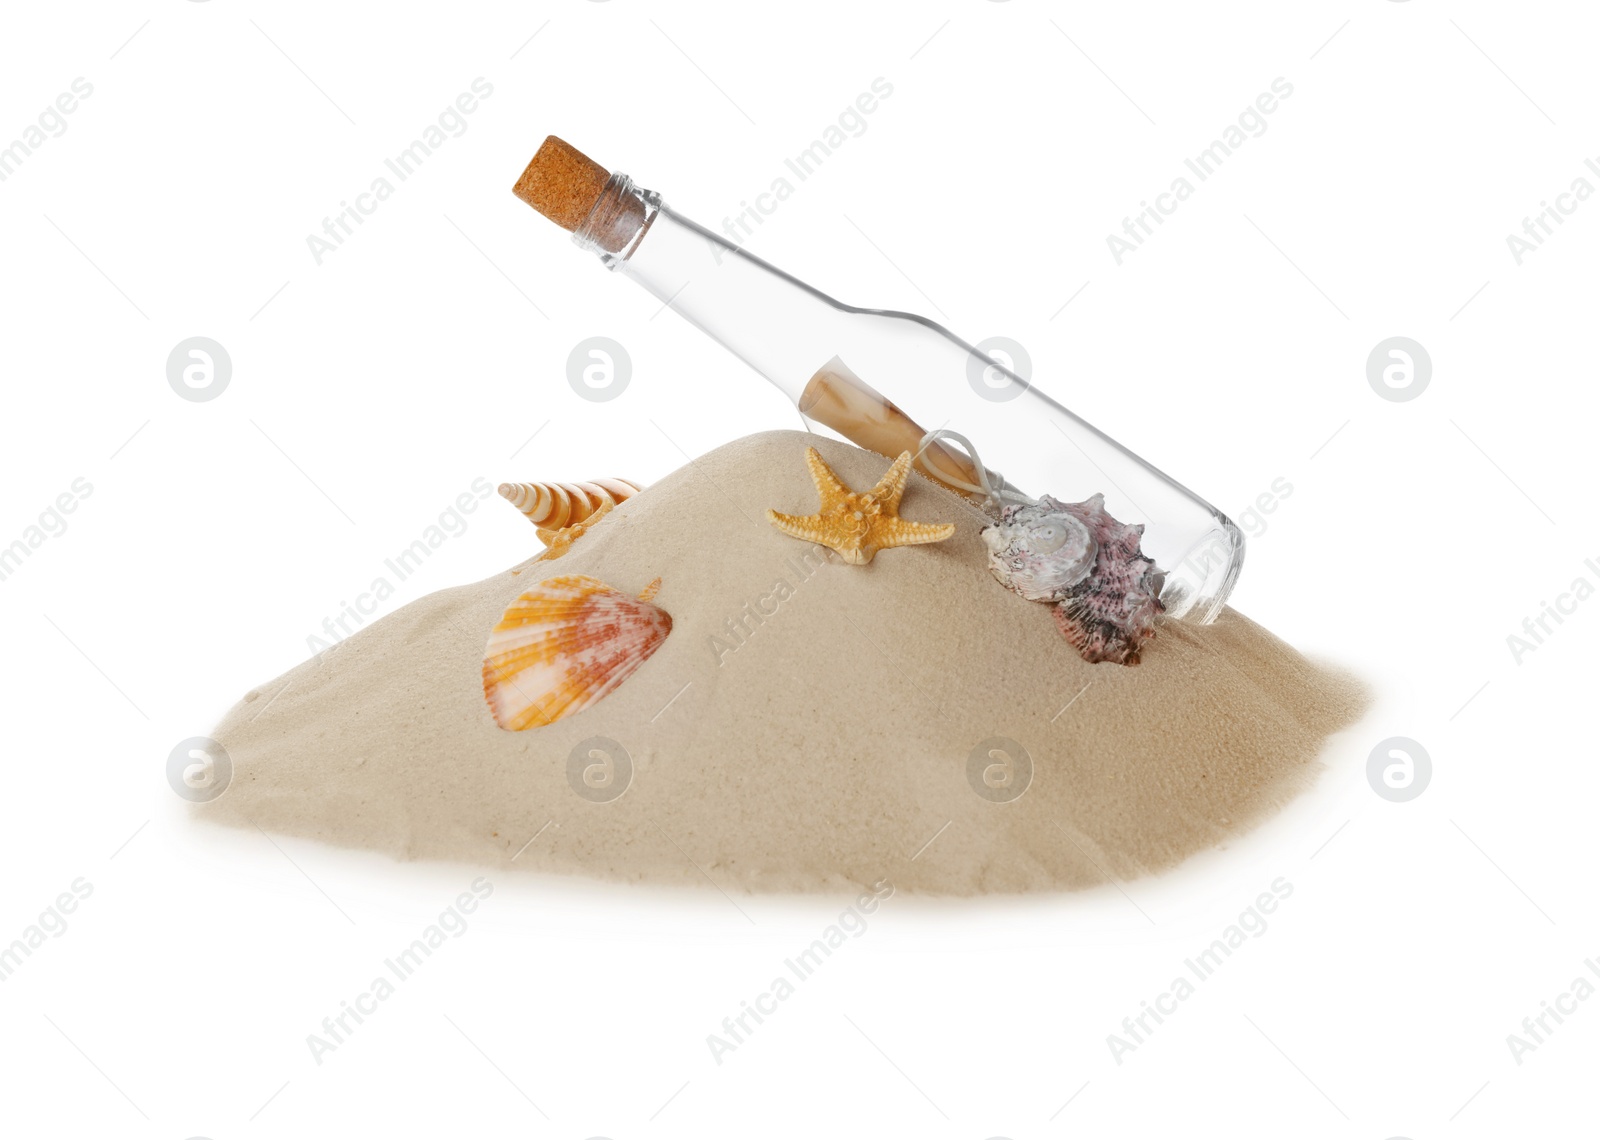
(566, 644)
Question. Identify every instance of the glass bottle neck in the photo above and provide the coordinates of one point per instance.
(778, 325)
(618, 221)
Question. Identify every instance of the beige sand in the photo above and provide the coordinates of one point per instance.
(823, 752)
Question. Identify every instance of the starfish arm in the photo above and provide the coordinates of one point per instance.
(899, 532)
(807, 527)
(893, 484)
(829, 489)
(858, 526)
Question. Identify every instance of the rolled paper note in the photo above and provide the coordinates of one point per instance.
(837, 397)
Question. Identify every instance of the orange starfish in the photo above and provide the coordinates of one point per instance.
(859, 524)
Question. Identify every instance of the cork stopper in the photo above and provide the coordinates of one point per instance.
(562, 183)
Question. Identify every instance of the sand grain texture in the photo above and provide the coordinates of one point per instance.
(822, 753)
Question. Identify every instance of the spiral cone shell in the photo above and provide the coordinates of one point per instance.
(551, 506)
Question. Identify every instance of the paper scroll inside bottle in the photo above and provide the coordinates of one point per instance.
(837, 397)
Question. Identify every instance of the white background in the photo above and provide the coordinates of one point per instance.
(370, 390)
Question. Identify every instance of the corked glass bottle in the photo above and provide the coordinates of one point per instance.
(833, 360)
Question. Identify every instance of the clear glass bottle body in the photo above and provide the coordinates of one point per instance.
(789, 332)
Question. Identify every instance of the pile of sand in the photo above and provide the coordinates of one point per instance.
(821, 746)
